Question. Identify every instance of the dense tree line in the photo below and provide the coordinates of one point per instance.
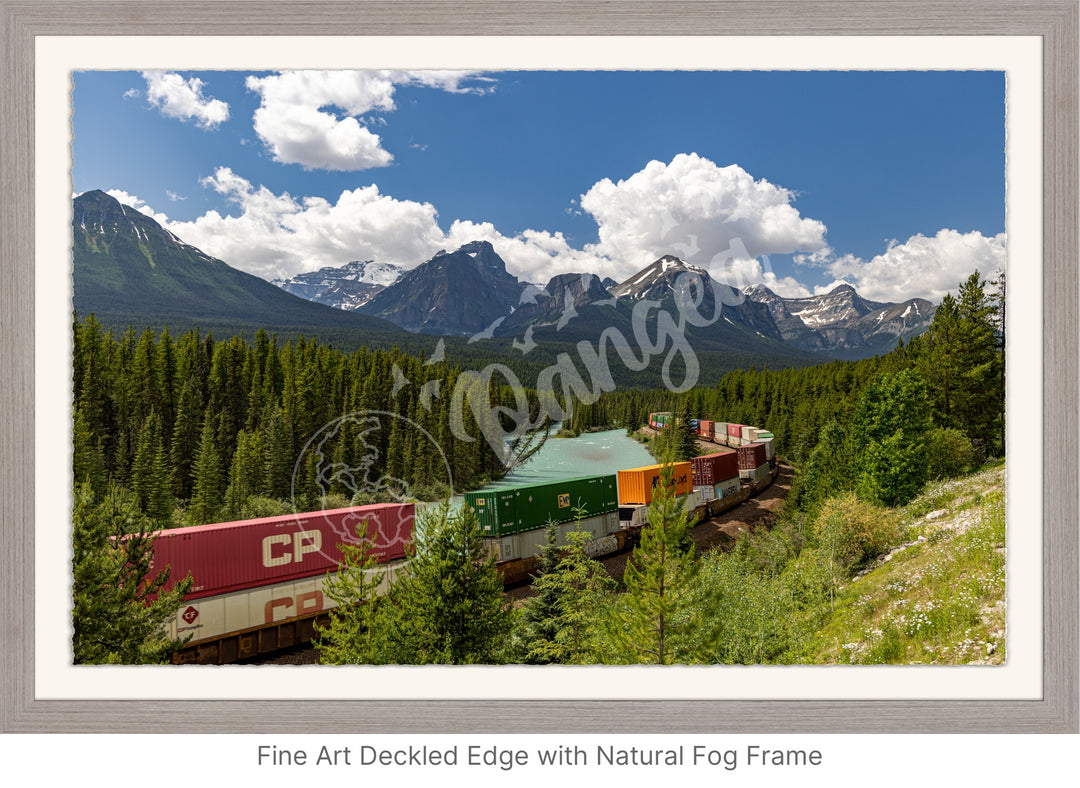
(119, 607)
(198, 430)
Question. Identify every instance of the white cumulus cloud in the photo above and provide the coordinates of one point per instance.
(274, 235)
(534, 255)
(714, 217)
(922, 267)
(297, 122)
(176, 97)
(719, 218)
(785, 286)
(131, 200)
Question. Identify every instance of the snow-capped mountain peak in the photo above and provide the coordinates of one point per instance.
(349, 286)
(657, 279)
(841, 322)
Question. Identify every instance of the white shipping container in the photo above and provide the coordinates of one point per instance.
(633, 515)
(758, 475)
(729, 487)
(706, 491)
(749, 434)
(530, 543)
(770, 447)
(215, 616)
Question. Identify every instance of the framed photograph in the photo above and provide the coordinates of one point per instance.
(84, 84)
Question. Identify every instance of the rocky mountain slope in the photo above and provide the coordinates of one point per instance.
(843, 324)
(129, 270)
(458, 293)
(348, 286)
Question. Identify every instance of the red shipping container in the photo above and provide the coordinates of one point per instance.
(734, 430)
(715, 468)
(705, 428)
(751, 456)
(225, 557)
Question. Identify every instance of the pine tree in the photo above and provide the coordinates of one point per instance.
(447, 606)
(829, 468)
(652, 621)
(87, 459)
(889, 430)
(149, 474)
(685, 442)
(113, 618)
(206, 497)
(538, 624)
(351, 635)
(999, 327)
(185, 438)
(279, 458)
(562, 622)
(246, 474)
(979, 398)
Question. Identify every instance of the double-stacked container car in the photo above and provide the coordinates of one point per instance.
(768, 440)
(716, 475)
(753, 464)
(638, 487)
(258, 584)
(705, 429)
(661, 420)
(513, 520)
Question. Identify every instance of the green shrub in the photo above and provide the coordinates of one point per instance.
(255, 507)
(949, 452)
(851, 531)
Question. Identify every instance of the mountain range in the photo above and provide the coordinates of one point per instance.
(469, 293)
(843, 324)
(454, 293)
(129, 269)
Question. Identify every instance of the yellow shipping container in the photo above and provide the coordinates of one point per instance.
(637, 485)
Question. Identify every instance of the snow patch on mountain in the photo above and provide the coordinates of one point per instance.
(349, 286)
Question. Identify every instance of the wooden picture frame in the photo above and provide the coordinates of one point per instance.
(1055, 21)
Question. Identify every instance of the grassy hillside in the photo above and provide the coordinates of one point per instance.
(937, 597)
(859, 584)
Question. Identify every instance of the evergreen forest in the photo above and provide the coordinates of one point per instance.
(190, 430)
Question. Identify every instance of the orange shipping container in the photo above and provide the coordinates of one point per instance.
(637, 485)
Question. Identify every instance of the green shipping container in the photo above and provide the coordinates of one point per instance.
(511, 510)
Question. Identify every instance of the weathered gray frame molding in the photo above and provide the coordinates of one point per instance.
(1054, 20)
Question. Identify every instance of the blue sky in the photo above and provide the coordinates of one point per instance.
(892, 181)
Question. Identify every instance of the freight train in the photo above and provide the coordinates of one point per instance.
(613, 509)
(259, 584)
